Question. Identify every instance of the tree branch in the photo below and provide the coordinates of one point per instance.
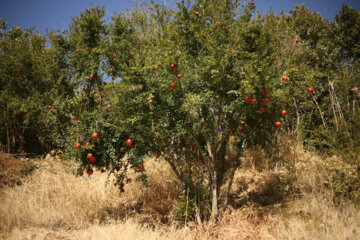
(173, 167)
(227, 136)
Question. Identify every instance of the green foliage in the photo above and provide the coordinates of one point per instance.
(191, 198)
(109, 148)
(31, 79)
(185, 208)
(348, 32)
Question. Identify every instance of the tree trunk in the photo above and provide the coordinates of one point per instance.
(197, 206)
(214, 194)
(235, 165)
(174, 168)
(228, 189)
(21, 143)
(197, 215)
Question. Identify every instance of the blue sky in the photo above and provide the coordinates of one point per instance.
(57, 14)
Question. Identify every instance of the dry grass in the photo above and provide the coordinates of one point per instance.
(47, 199)
(314, 217)
(64, 201)
(128, 230)
(232, 225)
(62, 206)
(253, 187)
(131, 230)
(12, 170)
(260, 192)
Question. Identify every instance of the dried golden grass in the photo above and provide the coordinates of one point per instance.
(311, 214)
(131, 230)
(262, 188)
(314, 217)
(231, 225)
(254, 159)
(63, 200)
(266, 212)
(57, 206)
(261, 182)
(156, 202)
(47, 199)
(12, 170)
(311, 217)
(128, 230)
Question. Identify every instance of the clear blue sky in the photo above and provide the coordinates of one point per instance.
(56, 14)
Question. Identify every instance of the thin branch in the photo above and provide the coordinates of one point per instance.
(297, 117)
(321, 115)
